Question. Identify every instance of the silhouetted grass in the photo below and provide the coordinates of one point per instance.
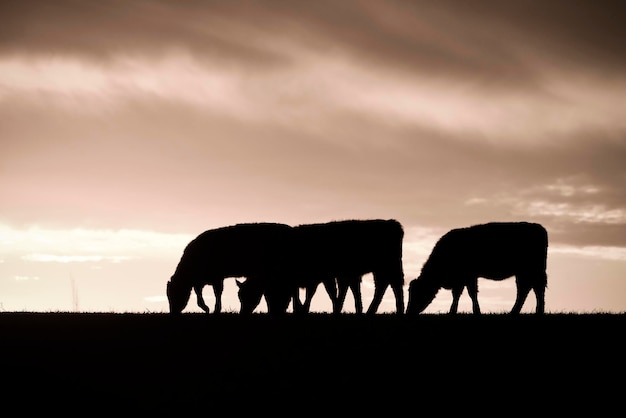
(317, 363)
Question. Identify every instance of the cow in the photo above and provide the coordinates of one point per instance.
(257, 251)
(342, 251)
(495, 251)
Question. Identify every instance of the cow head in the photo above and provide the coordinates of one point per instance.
(177, 295)
(249, 294)
(421, 293)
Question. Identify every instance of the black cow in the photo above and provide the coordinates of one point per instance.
(494, 251)
(256, 251)
(342, 251)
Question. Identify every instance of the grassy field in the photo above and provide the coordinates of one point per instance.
(347, 364)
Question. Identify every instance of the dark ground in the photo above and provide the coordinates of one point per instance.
(320, 364)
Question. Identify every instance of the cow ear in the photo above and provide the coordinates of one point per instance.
(238, 283)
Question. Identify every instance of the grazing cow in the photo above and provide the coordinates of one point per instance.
(257, 251)
(494, 251)
(342, 251)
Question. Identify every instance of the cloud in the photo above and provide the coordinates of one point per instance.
(87, 245)
(314, 90)
(502, 72)
(56, 258)
(25, 278)
(156, 299)
(596, 213)
(579, 196)
(487, 37)
(599, 252)
(565, 198)
(154, 115)
(176, 164)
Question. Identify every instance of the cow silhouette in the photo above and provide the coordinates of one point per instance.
(343, 251)
(256, 251)
(495, 251)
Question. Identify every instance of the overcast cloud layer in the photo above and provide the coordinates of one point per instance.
(179, 116)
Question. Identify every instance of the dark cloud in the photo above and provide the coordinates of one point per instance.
(587, 234)
(489, 41)
(101, 31)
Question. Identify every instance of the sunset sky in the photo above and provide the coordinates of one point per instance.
(129, 127)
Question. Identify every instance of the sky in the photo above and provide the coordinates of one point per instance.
(129, 127)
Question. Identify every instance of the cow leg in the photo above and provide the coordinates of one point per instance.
(331, 288)
(342, 291)
(282, 297)
(310, 292)
(456, 295)
(523, 287)
(380, 286)
(537, 283)
(218, 289)
(540, 291)
(399, 295)
(298, 307)
(278, 300)
(355, 287)
(379, 291)
(200, 299)
(472, 290)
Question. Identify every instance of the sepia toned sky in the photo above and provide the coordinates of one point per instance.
(129, 127)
